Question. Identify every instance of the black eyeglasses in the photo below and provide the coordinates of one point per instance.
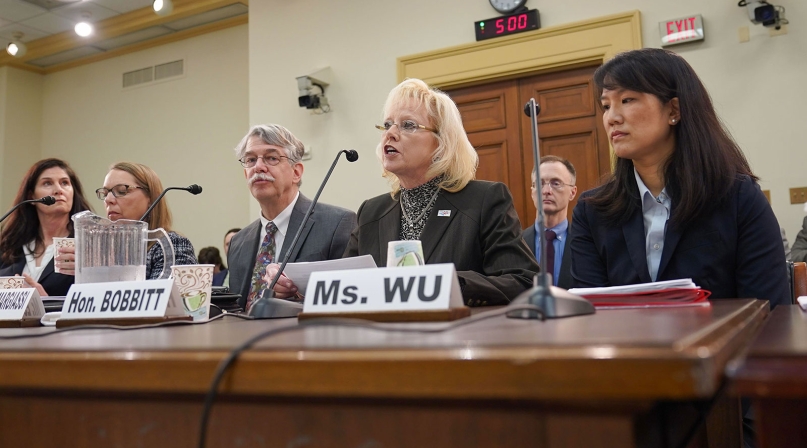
(250, 161)
(118, 191)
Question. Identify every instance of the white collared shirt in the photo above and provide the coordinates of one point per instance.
(30, 262)
(282, 223)
(656, 213)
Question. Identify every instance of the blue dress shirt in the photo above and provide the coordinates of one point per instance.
(656, 212)
(561, 230)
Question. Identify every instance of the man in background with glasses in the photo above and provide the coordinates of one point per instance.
(272, 160)
(557, 189)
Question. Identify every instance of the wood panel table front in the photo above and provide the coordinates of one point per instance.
(774, 375)
(620, 378)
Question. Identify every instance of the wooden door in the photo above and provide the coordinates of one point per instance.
(569, 126)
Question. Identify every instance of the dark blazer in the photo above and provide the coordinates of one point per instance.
(564, 279)
(54, 284)
(733, 249)
(325, 237)
(481, 236)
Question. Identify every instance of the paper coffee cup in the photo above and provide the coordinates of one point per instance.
(61, 242)
(195, 284)
(405, 253)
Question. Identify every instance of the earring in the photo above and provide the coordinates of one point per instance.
(672, 121)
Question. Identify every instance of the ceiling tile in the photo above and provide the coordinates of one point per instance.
(65, 56)
(208, 17)
(31, 33)
(50, 23)
(76, 11)
(131, 38)
(15, 10)
(123, 6)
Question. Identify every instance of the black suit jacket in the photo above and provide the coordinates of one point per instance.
(54, 284)
(481, 236)
(324, 238)
(733, 249)
(564, 279)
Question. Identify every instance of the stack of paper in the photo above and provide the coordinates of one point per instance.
(670, 293)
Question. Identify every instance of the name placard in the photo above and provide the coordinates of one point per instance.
(412, 288)
(147, 298)
(16, 304)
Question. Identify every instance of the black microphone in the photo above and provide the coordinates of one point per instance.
(266, 307)
(47, 200)
(552, 302)
(528, 109)
(193, 189)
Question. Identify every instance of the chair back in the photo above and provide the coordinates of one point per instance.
(797, 272)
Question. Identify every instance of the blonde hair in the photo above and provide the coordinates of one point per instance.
(455, 158)
(147, 179)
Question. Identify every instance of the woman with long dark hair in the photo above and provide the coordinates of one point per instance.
(682, 201)
(26, 241)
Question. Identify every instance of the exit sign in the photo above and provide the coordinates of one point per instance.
(681, 30)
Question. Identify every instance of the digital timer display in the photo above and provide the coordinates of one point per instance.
(507, 25)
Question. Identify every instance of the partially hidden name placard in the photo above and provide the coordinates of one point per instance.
(414, 288)
(112, 300)
(22, 303)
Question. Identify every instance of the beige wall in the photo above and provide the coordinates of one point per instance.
(756, 85)
(20, 128)
(184, 127)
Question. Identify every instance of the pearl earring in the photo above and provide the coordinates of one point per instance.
(673, 121)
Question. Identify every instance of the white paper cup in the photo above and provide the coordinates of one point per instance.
(405, 253)
(61, 242)
(195, 284)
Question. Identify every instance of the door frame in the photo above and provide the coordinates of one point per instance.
(554, 48)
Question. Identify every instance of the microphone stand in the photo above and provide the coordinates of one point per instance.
(193, 189)
(552, 301)
(271, 307)
(47, 200)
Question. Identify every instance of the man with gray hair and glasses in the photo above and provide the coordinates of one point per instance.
(272, 160)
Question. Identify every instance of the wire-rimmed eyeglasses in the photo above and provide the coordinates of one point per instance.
(407, 126)
(118, 191)
(555, 184)
(269, 159)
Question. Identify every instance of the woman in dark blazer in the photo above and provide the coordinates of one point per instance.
(682, 201)
(430, 164)
(26, 242)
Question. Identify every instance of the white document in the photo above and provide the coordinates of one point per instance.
(299, 273)
(639, 287)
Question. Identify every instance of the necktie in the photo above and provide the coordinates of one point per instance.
(550, 253)
(265, 256)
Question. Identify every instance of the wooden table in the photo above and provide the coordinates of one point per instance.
(774, 375)
(614, 379)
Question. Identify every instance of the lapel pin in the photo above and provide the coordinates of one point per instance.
(443, 212)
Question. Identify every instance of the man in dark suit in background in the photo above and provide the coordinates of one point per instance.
(557, 191)
(271, 157)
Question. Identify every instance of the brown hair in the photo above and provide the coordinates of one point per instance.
(22, 226)
(147, 179)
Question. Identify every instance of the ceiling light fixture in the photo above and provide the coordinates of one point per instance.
(163, 7)
(16, 48)
(84, 28)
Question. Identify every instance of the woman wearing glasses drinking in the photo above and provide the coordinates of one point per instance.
(128, 191)
(430, 164)
(26, 242)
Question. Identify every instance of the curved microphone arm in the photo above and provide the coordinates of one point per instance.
(193, 189)
(351, 155)
(47, 200)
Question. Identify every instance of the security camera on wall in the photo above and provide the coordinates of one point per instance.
(312, 93)
(764, 13)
